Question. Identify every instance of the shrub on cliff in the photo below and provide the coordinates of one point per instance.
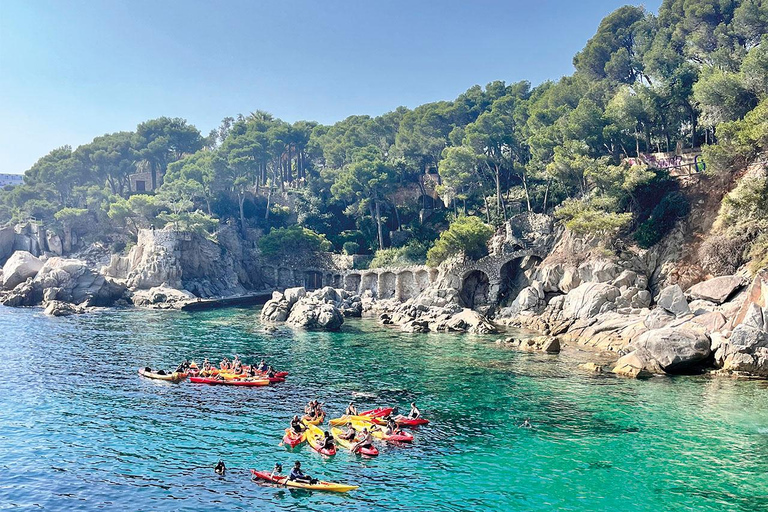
(663, 217)
(292, 240)
(412, 253)
(467, 235)
(592, 216)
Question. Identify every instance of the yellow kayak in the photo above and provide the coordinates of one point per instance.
(315, 421)
(315, 438)
(346, 419)
(366, 450)
(168, 377)
(320, 485)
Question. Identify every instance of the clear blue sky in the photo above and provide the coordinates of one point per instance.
(72, 70)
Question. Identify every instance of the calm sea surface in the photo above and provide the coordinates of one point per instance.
(80, 430)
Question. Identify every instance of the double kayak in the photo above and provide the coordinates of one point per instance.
(168, 377)
(293, 439)
(370, 451)
(320, 485)
(206, 380)
(316, 439)
(378, 433)
(315, 421)
(368, 416)
(403, 421)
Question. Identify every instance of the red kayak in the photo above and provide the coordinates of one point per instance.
(403, 420)
(369, 450)
(206, 380)
(293, 439)
(400, 437)
(377, 413)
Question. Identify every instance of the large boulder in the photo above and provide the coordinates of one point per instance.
(673, 300)
(470, 321)
(59, 308)
(292, 295)
(73, 281)
(276, 309)
(310, 313)
(589, 299)
(745, 352)
(20, 266)
(675, 349)
(161, 297)
(716, 290)
(637, 364)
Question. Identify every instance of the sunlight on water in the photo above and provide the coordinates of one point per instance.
(81, 430)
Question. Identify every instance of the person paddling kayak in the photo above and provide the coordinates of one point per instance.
(297, 475)
(328, 442)
(262, 366)
(415, 412)
(351, 410)
(220, 468)
(365, 440)
(297, 426)
(276, 471)
(350, 433)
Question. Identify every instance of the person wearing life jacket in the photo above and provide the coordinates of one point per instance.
(365, 440)
(351, 410)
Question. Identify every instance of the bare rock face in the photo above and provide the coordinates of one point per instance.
(673, 300)
(675, 349)
(589, 299)
(7, 237)
(716, 290)
(72, 281)
(20, 266)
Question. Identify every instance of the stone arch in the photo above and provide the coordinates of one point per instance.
(328, 281)
(422, 280)
(475, 289)
(387, 285)
(370, 282)
(407, 287)
(433, 275)
(352, 283)
(313, 279)
(337, 281)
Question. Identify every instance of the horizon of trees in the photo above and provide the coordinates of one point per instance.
(641, 84)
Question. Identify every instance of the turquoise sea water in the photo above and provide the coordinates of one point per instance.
(80, 430)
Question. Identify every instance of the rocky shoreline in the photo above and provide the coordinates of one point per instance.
(629, 306)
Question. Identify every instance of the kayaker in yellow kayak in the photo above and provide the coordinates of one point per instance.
(351, 410)
(350, 433)
(365, 440)
(297, 475)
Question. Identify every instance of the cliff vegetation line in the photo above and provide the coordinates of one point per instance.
(654, 99)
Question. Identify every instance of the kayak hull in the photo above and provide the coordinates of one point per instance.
(291, 439)
(214, 382)
(404, 421)
(169, 377)
(335, 422)
(370, 451)
(315, 439)
(319, 486)
(316, 421)
(379, 412)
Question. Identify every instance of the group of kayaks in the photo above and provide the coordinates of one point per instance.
(373, 421)
(222, 376)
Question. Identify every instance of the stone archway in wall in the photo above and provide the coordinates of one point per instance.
(475, 289)
(513, 277)
(387, 285)
(370, 281)
(352, 283)
(407, 287)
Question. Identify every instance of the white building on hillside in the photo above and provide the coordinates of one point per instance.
(11, 179)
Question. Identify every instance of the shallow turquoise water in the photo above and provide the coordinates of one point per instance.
(80, 430)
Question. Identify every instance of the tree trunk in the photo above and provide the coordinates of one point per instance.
(546, 196)
(527, 195)
(378, 224)
(269, 197)
(497, 172)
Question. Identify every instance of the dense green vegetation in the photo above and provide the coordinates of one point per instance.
(693, 74)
